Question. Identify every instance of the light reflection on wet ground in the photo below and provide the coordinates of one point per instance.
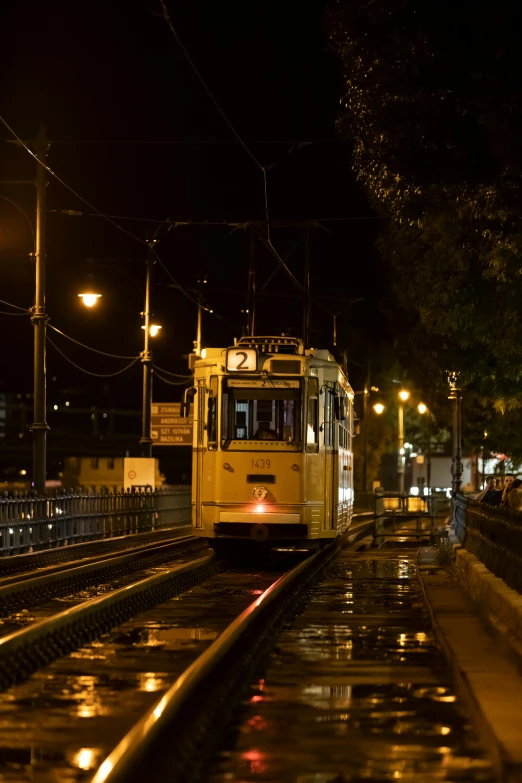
(59, 725)
(355, 690)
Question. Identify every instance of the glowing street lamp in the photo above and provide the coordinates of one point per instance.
(89, 299)
(153, 329)
(422, 408)
(403, 395)
(378, 408)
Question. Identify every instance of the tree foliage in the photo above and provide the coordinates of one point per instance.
(433, 106)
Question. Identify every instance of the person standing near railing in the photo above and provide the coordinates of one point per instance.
(514, 495)
(489, 494)
(509, 479)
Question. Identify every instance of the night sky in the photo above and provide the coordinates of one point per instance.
(104, 72)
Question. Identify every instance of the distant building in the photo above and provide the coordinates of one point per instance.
(98, 472)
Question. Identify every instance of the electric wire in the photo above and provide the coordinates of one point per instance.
(26, 216)
(188, 142)
(88, 347)
(95, 209)
(204, 84)
(174, 374)
(68, 187)
(89, 372)
(171, 383)
(4, 312)
(243, 144)
(25, 310)
(225, 223)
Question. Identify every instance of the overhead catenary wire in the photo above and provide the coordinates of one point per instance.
(262, 168)
(204, 84)
(25, 310)
(168, 372)
(177, 223)
(89, 372)
(88, 347)
(95, 209)
(171, 383)
(5, 312)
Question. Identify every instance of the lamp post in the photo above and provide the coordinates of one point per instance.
(39, 317)
(39, 427)
(403, 396)
(146, 359)
(456, 465)
(422, 408)
(90, 298)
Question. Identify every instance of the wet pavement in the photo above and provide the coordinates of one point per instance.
(60, 724)
(20, 619)
(355, 690)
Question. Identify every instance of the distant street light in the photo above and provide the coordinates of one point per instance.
(422, 408)
(89, 299)
(378, 408)
(403, 395)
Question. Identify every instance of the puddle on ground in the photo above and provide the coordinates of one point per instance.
(59, 725)
(354, 690)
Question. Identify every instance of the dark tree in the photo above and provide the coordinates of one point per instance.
(433, 106)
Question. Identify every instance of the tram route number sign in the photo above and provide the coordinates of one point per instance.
(167, 426)
(241, 359)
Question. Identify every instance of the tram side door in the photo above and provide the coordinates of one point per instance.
(200, 441)
(329, 461)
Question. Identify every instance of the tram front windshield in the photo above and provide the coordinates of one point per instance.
(266, 413)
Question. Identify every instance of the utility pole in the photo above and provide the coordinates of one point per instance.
(456, 467)
(39, 426)
(306, 294)
(146, 360)
(252, 288)
(400, 460)
(366, 424)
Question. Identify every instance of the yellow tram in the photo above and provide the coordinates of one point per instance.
(272, 450)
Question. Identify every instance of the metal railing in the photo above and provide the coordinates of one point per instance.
(492, 534)
(396, 511)
(28, 523)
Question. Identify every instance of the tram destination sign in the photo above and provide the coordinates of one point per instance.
(167, 426)
(241, 359)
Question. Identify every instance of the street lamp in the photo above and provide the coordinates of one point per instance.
(89, 299)
(153, 329)
(403, 395)
(378, 408)
(422, 408)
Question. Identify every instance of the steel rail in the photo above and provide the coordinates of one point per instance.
(30, 561)
(25, 590)
(26, 650)
(187, 719)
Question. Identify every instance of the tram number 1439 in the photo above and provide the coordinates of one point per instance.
(260, 463)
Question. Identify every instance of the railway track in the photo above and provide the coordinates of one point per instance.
(34, 561)
(124, 636)
(28, 588)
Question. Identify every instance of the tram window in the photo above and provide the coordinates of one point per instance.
(261, 414)
(212, 413)
(312, 424)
